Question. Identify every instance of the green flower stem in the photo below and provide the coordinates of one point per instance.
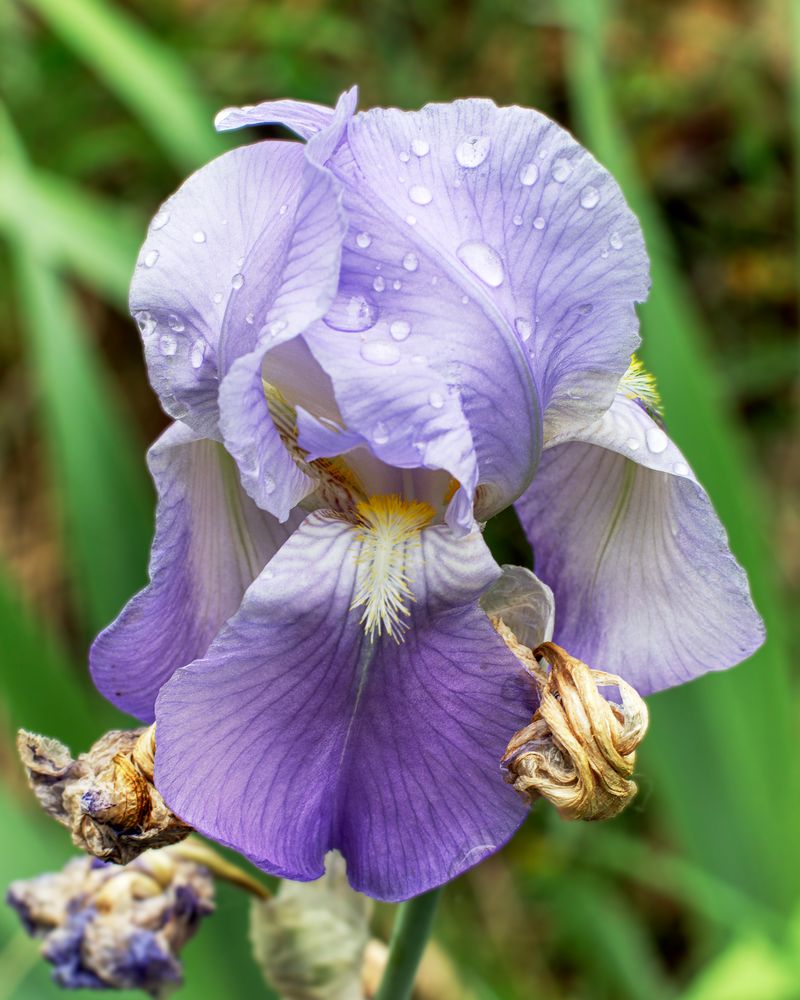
(410, 934)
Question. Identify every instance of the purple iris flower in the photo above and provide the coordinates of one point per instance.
(370, 342)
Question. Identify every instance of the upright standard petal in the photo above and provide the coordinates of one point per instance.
(303, 117)
(211, 542)
(250, 239)
(296, 733)
(645, 584)
(309, 274)
(486, 244)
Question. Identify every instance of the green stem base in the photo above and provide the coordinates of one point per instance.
(410, 933)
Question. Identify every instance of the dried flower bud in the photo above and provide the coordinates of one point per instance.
(579, 750)
(106, 797)
(310, 938)
(105, 927)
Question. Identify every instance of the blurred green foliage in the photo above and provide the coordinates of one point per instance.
(695, 892)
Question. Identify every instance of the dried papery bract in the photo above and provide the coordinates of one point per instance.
(310, 938)
(579, 750)
(105, 797)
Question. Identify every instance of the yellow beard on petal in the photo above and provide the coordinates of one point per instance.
(387, 526)
(638, 383)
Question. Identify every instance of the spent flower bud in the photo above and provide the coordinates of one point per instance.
(106, 927)
(310, 938)
(105, 797)
(579, 750)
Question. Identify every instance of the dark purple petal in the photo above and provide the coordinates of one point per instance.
(146, 963)
(295, 734)
(211, 542)
(645, 584)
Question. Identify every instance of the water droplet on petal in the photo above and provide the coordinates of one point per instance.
(484, 262)
(632, 443)
(681, 468)
(379, 284)
(529, 174)
(397, 285)
(517, 220)
(538, 222)
(411, 220)
(237, 281)
(472, 151)
(218, 297)
(400, 329)
(275, 327)
(168, 345)
(561, 170)
(410, 262)
(250, 318)
(174, 322)
(420, 195)
(657, 440)
(283, 210)
(147, 325)
(198, 352)
(524, 327)
(269, 487)
(465, 300)
(604, 254)
(615, 240)
(363, 240)
(380, 433)
(590, 196)
(352, 314)
(404, 157)
(160, 219)
(380, 352)
(150, 258)
(199, 236)
(436, 400)
(420, 147)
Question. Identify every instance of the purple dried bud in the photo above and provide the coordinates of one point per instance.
(105, 927)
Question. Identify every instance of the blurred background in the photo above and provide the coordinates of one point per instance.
(695, 106)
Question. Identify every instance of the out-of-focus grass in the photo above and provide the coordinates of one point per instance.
(697, 745)
(693, 893)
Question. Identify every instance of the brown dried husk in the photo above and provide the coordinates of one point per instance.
(105, 797)
(579, 750)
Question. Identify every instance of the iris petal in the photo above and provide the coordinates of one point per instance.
(203, 268)
(295, 734)
(297, 280)
(645, 584)
(505, 258)
(211, 542)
